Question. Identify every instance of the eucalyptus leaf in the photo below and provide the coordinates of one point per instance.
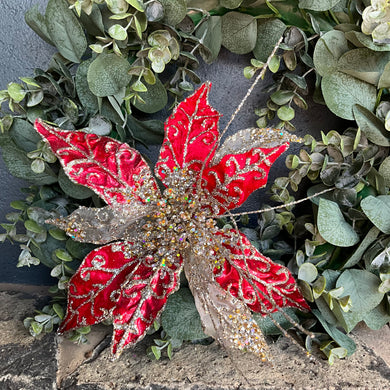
(378, 317)
(323, 305)
(372, 127)
(33, 226)
(77, 249)
(19, 165)
(118, 32)
(210, 35)
(230, 3)
(65, 30)
(108, 74)
(154, 11)
(36, 21)
(87, 98)
(45, 250)
(239, 32)
(384, 80)
(24, 135)
(150, 132)
(362, 287)
(268, 326)
(155, 98)
(285, 113)
(180, 319)
(318, 5)
(319, 287)
(274, 64)
(16, 92)
(93, 22)
(364, 64)
(307, 272)
(38, 166)
(341, 92)
(341, 339)
(137, 4)
(282, 97)
(332, 225)
(76, 191)
(63, 255)
(377, 210)
(329, 48)
(117, 7)
(58, 234)
(34, 98)
(269, 32)
(174, 11)
(370, 237)
(384, 170)
(99, 125)
(357, 37)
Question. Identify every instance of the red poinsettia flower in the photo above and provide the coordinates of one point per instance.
(149, 236)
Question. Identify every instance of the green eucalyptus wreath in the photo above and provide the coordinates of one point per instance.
(119, 58)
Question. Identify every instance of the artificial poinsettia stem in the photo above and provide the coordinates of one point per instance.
(150, 234)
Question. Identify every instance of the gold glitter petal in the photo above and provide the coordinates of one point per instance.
(223, 316)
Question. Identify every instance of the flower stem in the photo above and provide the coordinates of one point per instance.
(276, 207)
(250, 90)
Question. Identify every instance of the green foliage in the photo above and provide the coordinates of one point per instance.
(65, 30)
(180, 319)
(165, 342)
(108, 74)
(318, 5)
(239, 32)
(342, 283)
(269, 32)
(44, 320)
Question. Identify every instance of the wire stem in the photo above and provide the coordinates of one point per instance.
(276, 207)
(250, 90)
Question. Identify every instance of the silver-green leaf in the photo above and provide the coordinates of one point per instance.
(332, 225)
(377, 210)
(65, 30)
(341, 92)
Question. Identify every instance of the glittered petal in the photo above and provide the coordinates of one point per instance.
(236, 176)
(191, 135)
(264, 286)
(224, 317)
(143, 299)
(95, 289)
(244, 140)
(131, 291)
(116, 172)
(105, 224)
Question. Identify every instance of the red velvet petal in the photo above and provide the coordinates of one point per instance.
(130, 291)
(236, 176)
(135, 316)
(191, 134)
(262, 284)
(110, 168)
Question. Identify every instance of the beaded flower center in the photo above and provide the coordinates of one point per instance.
(181, 219)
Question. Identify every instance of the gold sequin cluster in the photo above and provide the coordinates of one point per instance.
(178, 220)
(249, 337)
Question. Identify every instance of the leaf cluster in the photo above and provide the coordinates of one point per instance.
(343, 266)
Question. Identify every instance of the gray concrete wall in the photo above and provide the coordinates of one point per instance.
(22, 51)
